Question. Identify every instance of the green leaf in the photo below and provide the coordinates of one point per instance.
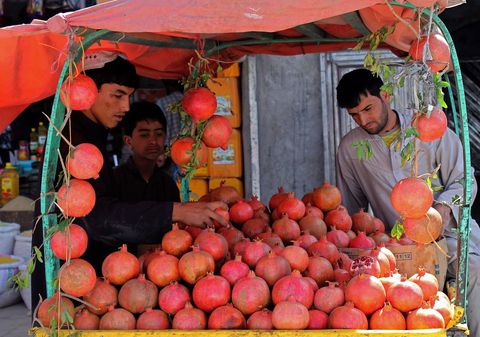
(411, 132)
(429, 182)
(437, 188)
(397, 230)
(38, 254)
(364, 149)
(407, 153)
(456, 200)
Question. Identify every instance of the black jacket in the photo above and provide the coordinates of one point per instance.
(117, 217)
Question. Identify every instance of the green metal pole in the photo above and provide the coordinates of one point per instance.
(49, 169)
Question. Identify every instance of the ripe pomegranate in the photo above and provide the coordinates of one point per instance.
(153, 320)
(361, 241)
(162, 269)
(439, 51)
(363, 222)
(256, 204)
(260, 320)
(138, 294)
(324, 248)
(182, 150)
(405, 295)
(344, 261)
(199, 103)
(296, 256)
(195, 264)
(177, 241)
(445, 309)
(428, 282)
(217, 132)
(232, 235)
(240, 212)
(271, 268)
(339, 218)
(277, 198)
(117, 319)
(306, 240)
(173, 298)
(425, 229)
(294, 208)
(290, 315)
(328, 298)
(189, 318)
(327, 197)
(433, 127)
(425, 318)
(250, 294)
(342, 276)
(312, 283)
(70, 243)
(391, 258)
(313, 224)
(102, 296)
(287, 229)
(254, 252)
(411, 197)
(241, 246)
(382, 259)
(271, 239)
(77, 277)
(379, 237)
(85, 161)
(121, 266)
(293, 285)
(387, 318)
(225, 193)
(307, 198)
(211, 292)
(212, 243)
(78, 93)
(320, 269)
(224, 214)
(366, 292)
(253, 227)
(193, 231)
(85, 320)
(318, 320)
(49, 309)
(365, 265)
(76, 199)
(338, 237)
(226, 317)
(347, 317)
(234, 270)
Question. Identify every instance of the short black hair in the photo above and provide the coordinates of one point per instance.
(143, 111)
(118, 71)
(359, 82)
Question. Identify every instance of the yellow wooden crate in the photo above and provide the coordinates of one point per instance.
(228, 98)
(227, 163)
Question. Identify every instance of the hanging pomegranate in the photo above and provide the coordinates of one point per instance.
(85, 161)
(77, 198)
(217, 132)
(432, 127)
(182, 149)
(411, 197)
(78, 93)
(77, 277)
(438, 50)
(48, 309)
(425, 229)
(72, 242)
(199, 103)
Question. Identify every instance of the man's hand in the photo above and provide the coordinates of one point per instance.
(446, 213)
(199, 214)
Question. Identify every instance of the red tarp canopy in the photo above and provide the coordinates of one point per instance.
(32, 55)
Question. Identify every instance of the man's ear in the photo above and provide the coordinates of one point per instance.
(127, 140)
(386, 96)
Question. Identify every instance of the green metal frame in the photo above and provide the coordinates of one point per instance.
(212, 47)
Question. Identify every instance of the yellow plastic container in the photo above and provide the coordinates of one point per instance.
(232, 71)
(228, 98)
(9, 183)
(227, 163)
(202, 171)
(234, 182)
(198, 188)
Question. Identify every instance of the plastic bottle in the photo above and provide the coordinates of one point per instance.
(42, 138)
(33, 143)
(23, 153)
(9, 183)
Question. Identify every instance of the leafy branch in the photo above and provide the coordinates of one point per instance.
(364, 149)
(397, 230)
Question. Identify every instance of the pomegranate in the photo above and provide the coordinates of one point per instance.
(405, 295)
(78, 93)
(173, 298)
(361, 241)
(425, 318)
(294, 208)
(411, 197)
(121, 266)
(425, 229)
(254, 252)
(296, 256)
(271, 239)
(260, 320)
(234, 270)
(70, 243)
(277, 198)
(177, 241)
(382, 259)
(318, 320)
(344, 261)
(378, 225)
(338, 237)
(250, 294)
(85, 320)
(391, 258)
(232, 235)
(327, 197)
(189, 318)
(366, 292)
(308, 198)
(312, 283)
(328, 298)
(77, 277)
(49, 309)
(217, 132)
(306, 240)
(290, 315)
(214, 244)
(211, 292)
(309, 209)
(241, 246)
(253, 227)
(226, 317)
(138, 294)
(194, 265)
(271, 268)
(102, 296)
(347, 317)
(387, 318)
(148, 256)
(433, 127)
(324, 248)
(153, 320)
(76, 199)
(405, 241)
(438, 49)
(240, 212)
(313, 224)
(320, 269)
(363, 222)
(342, 276)
(117, 319)
(224, 214)
(256, 204)
(428, 282)
(199, 103)
(365, 265)
(339, 218)
(85, 161)
(293, 285)
(163, 269)
(380, 237)
(225, 193)
(445, 309)
(193, 231)
(182, 150)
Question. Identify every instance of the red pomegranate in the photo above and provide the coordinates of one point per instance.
(296, 256)
(433, 127)
(271, 268)
(294, 208)
(199, 103)
(438, 49)
(121, 266)
(225, 193)
(78, 93)
(240, 212)
(117, 319)
(256, 204)
(425, 318)
(232, 235)
(177, 241)
(153, 320)
(366, 292)
(379, 225)
(425, 229)
(217, 132)
(173, 298)
(253, 227)
(260, 320)
(361, 241)
(339, 218)
(307, 198)
(138, 294)
(293, 285)
(387, 318)
(189, 318)
(70, 243)
(411, 197)
(76, 199)
(226, 317)
(347, 317)
(365, 265)
(380, 237)
(182, 150)
(212, 243)
(102, 296)
(195, 264)
(342, 276)
(224, 214)
(250, 294)
(324, 248)
(211, 292)
(313, 224)
(85, 161)
(85, 320)
(287, 229)
(445, 309)
(241, 246)
(387, 281)
(254, 252)
(318, 320)
(382, 259)
(53, 307)
(277, 198)
(234, 270)
(405, 295)
(328, 298)
(306, 240)
(77, 277)
(363, 222)
(290, 315)
(338, 237)
(327, 197)
(391, 258)
(193, 231)
(320, 269)
(428, 282)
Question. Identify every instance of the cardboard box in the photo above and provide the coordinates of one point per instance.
(433, 257)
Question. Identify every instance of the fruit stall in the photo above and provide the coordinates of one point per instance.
(229, 275)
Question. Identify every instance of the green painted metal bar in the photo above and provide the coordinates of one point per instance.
(354, 20)
(50, 168)
(452, 105)
(311, 30)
